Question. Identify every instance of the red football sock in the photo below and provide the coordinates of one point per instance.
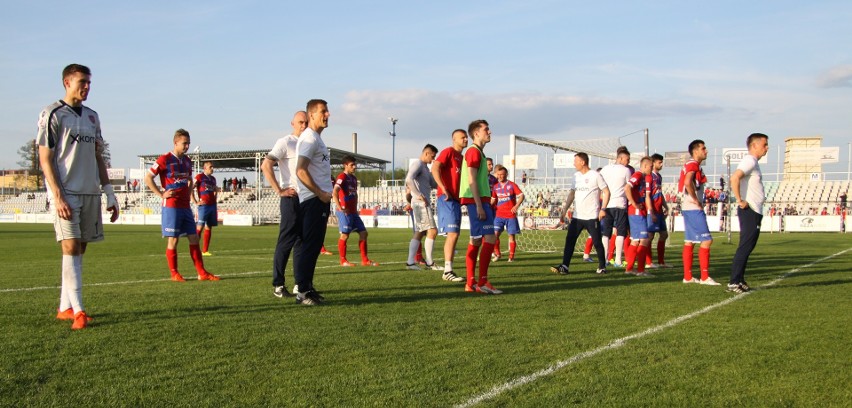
(197, 260)
(648, 259)
(630, 257)
(496, 245)
(363, 246)
(207, 233)
(687, 261)
(484, 260)
(341, 248)
(171, 258)
(470, 262)
(704, 262)
(661, 252)
(641, 253)
(418, 256)
(512, 246)
(588, 249)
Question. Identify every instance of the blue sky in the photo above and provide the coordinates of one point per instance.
(233, 73)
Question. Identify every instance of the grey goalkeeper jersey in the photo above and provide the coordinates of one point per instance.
(76, 142)
(419, 180)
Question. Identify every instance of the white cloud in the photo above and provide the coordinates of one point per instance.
(837, 77)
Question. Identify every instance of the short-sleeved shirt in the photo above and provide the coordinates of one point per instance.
(451, 163)
(206, 186)
(507, 197)
(348, 192)
(687, 203)
(751, 185)
(76, 142)
(616, 177)
(639, 182)
(419, 180)
(656, 187)
(312, 147)
(175, 174)
(284, 152)
(587, 194)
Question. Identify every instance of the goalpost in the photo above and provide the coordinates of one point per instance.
(544, 169)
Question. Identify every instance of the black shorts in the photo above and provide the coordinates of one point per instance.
(614, 218)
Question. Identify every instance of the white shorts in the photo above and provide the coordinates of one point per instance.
(423, 218)
(86, 223)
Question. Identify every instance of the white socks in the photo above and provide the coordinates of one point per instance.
(619, 246)
(428, 246)
(71, 293)
(412, 250)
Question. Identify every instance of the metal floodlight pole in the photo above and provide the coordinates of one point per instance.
(393, 148)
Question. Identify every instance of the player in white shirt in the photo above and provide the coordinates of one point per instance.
(284, 155)
(313, 170)
(749, 180)
(70, 148)
(588, 190)
(616, 176)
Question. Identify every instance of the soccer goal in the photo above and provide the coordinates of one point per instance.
(544, 169)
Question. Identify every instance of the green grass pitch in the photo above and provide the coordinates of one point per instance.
(393, 337)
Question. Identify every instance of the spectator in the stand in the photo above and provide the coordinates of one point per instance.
(245, 182)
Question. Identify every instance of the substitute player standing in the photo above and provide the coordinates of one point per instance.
(175, 171)
(70, 148)
(420, 183)
(208, 217)
(589, 190)
(506, 197)
(446, 170)
(476, 196)
(616, 176)
(691, 188)
(657, 220)
(346, 200)
(748, 179)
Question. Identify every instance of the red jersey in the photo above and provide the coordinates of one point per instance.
(639, 182)
(656, 187)
(507, 197)
(206, 186)
(699, 180)
(451, 163)
(175, 174)
(348, 194)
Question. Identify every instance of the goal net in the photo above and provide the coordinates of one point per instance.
(544, 169)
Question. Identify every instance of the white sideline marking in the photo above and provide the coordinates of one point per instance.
(517, 382)
(163, 279)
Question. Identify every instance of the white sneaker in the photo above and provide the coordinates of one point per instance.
(434, 267)
(295, 289)
(693, 280)
(494, 258)
(644, 274)
(709, 281)
(412, 267)
(651, 266)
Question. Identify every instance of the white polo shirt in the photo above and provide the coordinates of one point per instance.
(284, 152)
(751, 185)
(587, 194)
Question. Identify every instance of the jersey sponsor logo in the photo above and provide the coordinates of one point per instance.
(325, 157)
(92, 119)
(82, 138)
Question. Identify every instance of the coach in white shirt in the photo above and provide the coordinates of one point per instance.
(588, 188)
(748, 180)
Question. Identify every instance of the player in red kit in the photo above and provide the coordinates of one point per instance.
(175, 171)
(207, 191)
(639, 208)
(345, 195)
(507, 197)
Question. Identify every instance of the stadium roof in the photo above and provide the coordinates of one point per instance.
(249, 160)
